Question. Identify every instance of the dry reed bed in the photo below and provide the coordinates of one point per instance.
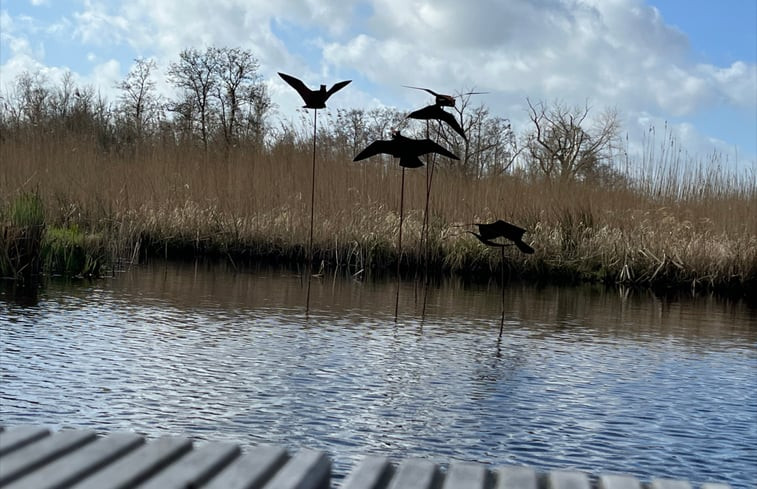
(180, 200)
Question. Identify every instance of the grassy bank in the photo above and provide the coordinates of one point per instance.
(671, 228)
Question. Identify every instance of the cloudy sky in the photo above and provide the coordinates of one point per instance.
(690, 63)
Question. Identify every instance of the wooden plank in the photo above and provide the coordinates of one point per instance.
(196, 468)
(33, 455)
(32, 458)
(251, 470)
(669, 484)
(76, 465)
(567, 479)
(516, 477)
(371, 473)
(616, 481)
(16, 437)
(464, 475)
(415, 473)
(138, 464)
(308, 469)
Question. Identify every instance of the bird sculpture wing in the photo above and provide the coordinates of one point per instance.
(423, 146)
(377, 147)
(297, 84)
(450, 119)
(502, 229)
(436, 112)
(487, 242)
(424, 89)
(488, 231)
(425, 113)
(508, 230)
(524, 247)
(337, 86)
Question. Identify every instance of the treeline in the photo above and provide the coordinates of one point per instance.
(221, 102)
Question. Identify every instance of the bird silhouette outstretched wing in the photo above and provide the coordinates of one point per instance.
(436, 112)
(404, 148)
(423, 146)
(524, 247)
(336, 87)
(377, 147)
(441, 99)
(297, 84)
(502, 229)
(314, 99)
(424, 89)
(488, 242)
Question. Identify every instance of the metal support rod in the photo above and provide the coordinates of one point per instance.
(312, 211)
(399, 246)
(502, 285)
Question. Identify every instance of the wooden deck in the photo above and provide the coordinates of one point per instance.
(35, 458)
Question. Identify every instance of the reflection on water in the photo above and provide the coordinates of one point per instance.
(581, 378)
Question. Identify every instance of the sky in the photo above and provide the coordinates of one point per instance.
(688, 65)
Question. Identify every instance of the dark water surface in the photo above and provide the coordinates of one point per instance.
(582, 378)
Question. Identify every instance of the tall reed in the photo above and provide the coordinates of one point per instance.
(667, 225)
(23, 226)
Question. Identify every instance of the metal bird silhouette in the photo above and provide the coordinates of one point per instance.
(502, 229)
(314, 99)
(437, 112)
(442, 99)
(406, 149)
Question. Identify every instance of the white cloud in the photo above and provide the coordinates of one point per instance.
(618, 53)
(96, 26)
(736, 83)
(6, 22)
(105, 76)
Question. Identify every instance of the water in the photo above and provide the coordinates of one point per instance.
(581, 378)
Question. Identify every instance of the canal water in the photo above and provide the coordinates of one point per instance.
(581, 378)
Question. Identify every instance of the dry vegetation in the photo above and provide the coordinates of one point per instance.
(207, 174)
(694, 229)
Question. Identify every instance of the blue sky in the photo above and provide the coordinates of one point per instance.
(690, 63)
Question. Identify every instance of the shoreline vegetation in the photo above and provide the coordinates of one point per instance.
(175, 202)
(85, 184)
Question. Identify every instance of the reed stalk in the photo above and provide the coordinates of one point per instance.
(670, 224)
(23, 226)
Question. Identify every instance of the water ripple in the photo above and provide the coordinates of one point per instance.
(570, 393)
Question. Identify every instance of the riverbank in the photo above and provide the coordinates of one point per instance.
(693, 229)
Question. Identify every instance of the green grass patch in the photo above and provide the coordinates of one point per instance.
(71, 252)
(23, 226)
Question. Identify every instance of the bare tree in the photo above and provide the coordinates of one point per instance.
(354, 129)
(239, 90)
(62, 98)
(223, 94)
(32, 92)
(139, 100)
(195, 74)
(351, 130)
(560, 147)
(490, 146)
(256, 109)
